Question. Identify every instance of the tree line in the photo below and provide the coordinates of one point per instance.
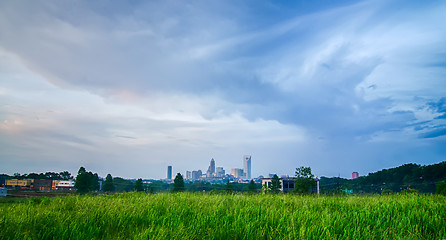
(65, 175)
(407, 177)
(118, 184)
(424, 179)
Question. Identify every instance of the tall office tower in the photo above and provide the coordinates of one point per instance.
(196, 175)
(169, 172)
(188, 175)
(211, 169)
(247, 166)
(212, 166)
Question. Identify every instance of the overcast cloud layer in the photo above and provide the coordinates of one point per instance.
(128, 88)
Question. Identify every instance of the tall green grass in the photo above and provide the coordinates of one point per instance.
(207, 216)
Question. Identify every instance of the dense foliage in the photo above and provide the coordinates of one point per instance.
(225, 216)
(65, 175)
(138, 185)
(275, 184)
(178, 183)
(123, 185)
(413, 176)
(108, 184)
(441, 188)
(252, 188)
(86, 181)
(304, 181)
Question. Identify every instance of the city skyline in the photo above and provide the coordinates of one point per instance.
(214, 172)
(128, 88)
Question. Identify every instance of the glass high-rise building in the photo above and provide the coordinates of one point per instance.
(247, 166)
(169, 172)
(212, 166)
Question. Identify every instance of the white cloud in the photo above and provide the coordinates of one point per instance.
(53, 122)
(177, 82)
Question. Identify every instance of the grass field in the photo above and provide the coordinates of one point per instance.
(219, 216)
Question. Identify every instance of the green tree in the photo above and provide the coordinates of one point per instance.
(159, 186)
(178, 183)
(108, 184)
(387, 192)
(65, 175)
(304, 181)
(409, 191)
(94, 181)
(138, 185)
(252, 188)
(265, 188)
(82, 183)
(441, 188)
(123, 185)
(228, 187)
(275, 184)
(81, 170)
(86, 181)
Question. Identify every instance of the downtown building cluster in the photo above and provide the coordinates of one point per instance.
(218, 174)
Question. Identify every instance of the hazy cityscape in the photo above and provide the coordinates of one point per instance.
(218, 174)
(222, 119)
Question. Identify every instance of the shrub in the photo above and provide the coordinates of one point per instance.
(410, 191)
(441, 188)
(387, 192)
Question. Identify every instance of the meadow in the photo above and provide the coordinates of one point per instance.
(221, 216)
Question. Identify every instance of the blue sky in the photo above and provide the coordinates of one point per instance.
(128, 88)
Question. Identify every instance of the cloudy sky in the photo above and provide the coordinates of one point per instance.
(130, 87)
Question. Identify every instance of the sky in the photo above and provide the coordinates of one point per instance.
(130, 87)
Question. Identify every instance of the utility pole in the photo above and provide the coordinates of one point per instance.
(317, 181)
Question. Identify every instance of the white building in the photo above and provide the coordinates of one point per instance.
(247, 166)
(65, 185)
(286, 184)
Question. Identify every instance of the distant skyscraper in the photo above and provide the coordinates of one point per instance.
(211, 169)
(219, 172)
(188, 175)
(237, 172)
(247, 166)
(196, 175)
(169, 172)
(355, 175)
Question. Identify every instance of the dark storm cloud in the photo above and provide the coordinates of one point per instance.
(321, 78)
